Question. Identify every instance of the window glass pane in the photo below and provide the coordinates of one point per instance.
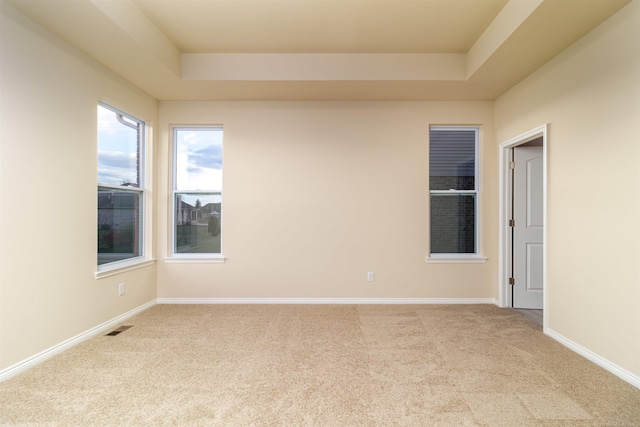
(198, 159)
(118, 225)
(118, 149)
(197, 223)
(120, 139)
(452, 159)
(453, 223)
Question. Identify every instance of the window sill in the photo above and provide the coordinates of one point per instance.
(123, 267)
(455, 259)
(216, 259)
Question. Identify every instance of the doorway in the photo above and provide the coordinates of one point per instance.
(522, 220)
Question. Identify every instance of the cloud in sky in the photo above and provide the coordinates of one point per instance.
(116, 167)
(199, 159)
(198, 154)
(117, 150)
(208, 157)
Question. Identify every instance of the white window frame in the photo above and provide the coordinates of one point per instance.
(141, 260)
(176, 257)
(476, 256)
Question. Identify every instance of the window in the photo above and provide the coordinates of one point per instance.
(121, 188)
(197, 192)
(453, 188)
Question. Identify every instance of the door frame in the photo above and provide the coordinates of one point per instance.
(504, 239)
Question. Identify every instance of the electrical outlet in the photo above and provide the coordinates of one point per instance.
(121, 289)
(370, 276)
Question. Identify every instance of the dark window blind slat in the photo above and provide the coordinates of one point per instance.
(452, 159)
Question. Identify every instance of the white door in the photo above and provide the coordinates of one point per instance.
(528, 228)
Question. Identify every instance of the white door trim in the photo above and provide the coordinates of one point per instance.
(504, 289)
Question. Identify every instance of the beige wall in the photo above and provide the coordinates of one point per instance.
(590, 97)
(316, 194)
(49, 94)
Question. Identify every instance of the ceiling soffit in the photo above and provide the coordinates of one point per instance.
(322, 26)
(477, 62)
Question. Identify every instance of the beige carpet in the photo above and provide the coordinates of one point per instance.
(323, 365)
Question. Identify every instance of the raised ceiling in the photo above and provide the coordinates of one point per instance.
(321, 49)
(325, 26)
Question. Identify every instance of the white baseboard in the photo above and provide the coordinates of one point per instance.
(59, 348)
(616, 370)
(407, 301)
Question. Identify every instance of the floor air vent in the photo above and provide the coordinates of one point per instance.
(118, 330)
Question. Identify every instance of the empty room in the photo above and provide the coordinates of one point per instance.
(320, 212)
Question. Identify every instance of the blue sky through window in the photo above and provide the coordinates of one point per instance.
(117, 150)
(198, 159)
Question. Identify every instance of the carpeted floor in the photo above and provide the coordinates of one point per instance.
(320, 365)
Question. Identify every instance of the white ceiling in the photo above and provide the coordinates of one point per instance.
(321, 49)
